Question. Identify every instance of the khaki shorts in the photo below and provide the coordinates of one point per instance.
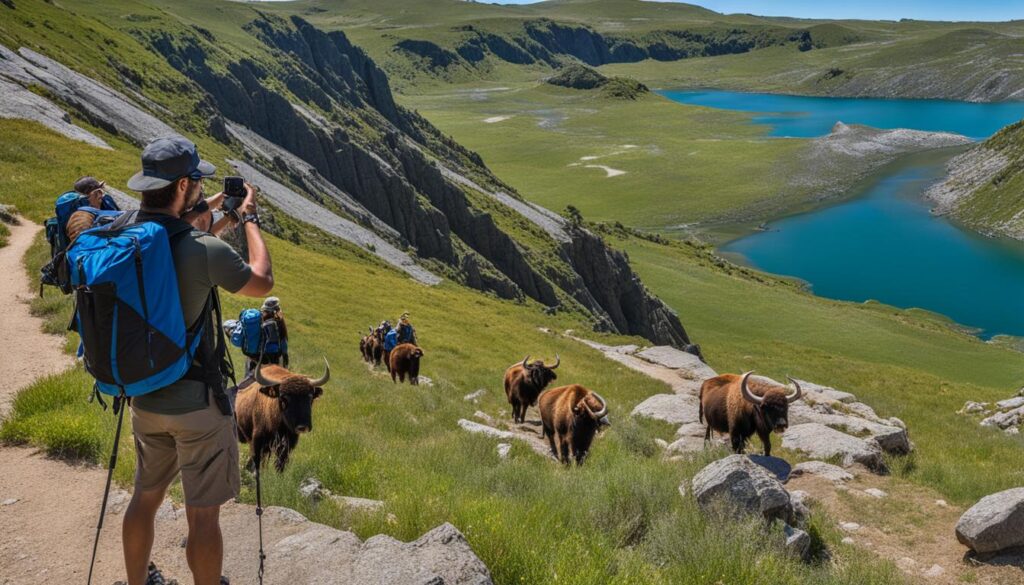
(202, 445)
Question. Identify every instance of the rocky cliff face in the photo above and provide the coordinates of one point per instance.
(317, 110)
(549, 42)
(984, 187)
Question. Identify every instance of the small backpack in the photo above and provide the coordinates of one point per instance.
(249, 333)
(128, 310)
(273, 344)
(56, 228)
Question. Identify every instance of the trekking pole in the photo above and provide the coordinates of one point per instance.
(119, 406)
(259, 519)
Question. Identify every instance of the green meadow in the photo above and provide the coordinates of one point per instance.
(680, 164)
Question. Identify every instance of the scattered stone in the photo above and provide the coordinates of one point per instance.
(778, 467)
(684, 445)
(425, 381)
(744, 485)
(166, 511)
(9, 502)
(934, 571)
(475, 427)
(9, 215)
(1012, 431)
(995, 523)
(364, 504)
(1004, 420)
(971, 407)
(849, 526)
(820, 441)
(484, 417)
(847, 540)
(798, 542)
(661, 443)
(503, 450)
(312, 489)
(801, 512)
(897, 423)
(941, 503)
(818, 393)
(1009, 403)
(671, 408)
(475, 397)
(828, 471)
(689, 365)
(875, 492)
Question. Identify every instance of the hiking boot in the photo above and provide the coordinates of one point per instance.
(155, 577)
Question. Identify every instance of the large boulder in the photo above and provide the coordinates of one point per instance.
(995, 523)
(833, 473)
(818, 393)
(671, 408)
(822, 442)
(743, 486)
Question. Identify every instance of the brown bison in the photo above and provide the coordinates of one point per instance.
(570, 416)
(404, 361)
(525, 381)
(736, 405)
(275, 409)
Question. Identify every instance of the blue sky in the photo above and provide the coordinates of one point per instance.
(868, 9)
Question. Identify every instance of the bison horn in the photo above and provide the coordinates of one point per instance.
(558, 361)
(796, 395)
(604, 407)
(747, 394)
(263, 380)
(319, 382)
(525, 361)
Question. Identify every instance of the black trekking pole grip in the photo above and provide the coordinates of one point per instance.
(120, 401)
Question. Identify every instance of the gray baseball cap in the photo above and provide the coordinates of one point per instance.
(168, 159)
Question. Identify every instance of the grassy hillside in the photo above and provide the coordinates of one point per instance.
(987, 185)
(671, 44)
(401, 444)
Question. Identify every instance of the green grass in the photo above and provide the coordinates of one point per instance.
(683, 164)
(5, 233)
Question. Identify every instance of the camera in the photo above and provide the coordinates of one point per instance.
(234, 194)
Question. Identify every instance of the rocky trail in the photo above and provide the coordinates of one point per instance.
(49, 507)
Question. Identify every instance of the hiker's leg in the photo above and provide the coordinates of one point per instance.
(137, 533)
(205, 547)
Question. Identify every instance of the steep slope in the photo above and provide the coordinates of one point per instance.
(984, 187)
(314, 115)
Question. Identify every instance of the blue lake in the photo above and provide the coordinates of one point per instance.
(807, 117)
(884, 244)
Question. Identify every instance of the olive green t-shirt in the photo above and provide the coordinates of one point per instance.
(202, 261)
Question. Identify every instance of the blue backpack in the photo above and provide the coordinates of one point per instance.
(248, 334)
(128, 310)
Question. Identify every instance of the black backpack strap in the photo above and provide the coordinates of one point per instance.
(213, 364)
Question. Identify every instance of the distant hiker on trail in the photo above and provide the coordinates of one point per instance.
(180, 424)
(390, 342)
(262, 335)
(406, 332)
(92, 189)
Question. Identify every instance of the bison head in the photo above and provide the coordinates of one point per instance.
(294, 394)
(539, 373)
(772, 404)
(593, 407)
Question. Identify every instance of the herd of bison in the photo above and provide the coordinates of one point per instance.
(271, 419)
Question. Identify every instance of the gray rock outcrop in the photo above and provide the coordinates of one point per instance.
(995, 523)
(321, 555)
(743, 486)
(822, 442)
(671, 408)
(833, 473)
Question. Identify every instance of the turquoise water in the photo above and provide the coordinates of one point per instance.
(808, 117)
(884, 244)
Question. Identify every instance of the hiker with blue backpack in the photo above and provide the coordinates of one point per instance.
(261, 334)
(148, 313)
